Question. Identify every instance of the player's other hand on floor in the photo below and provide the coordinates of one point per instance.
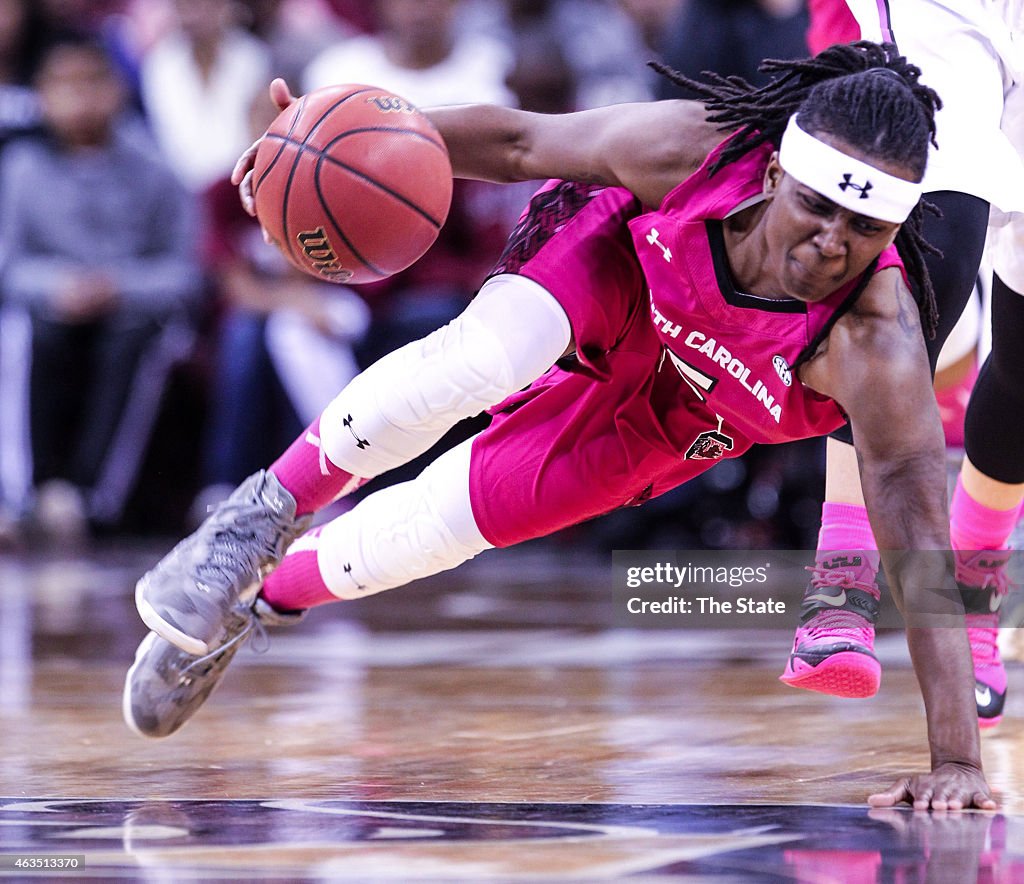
(951, 786)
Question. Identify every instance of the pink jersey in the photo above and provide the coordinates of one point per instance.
(674, 368)
(733, 350)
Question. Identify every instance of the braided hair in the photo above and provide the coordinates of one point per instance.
(864, 93)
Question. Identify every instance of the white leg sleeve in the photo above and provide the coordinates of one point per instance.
(403, 532)
(511, 333)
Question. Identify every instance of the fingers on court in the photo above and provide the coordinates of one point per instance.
(983, 801)
(893, 795)
(923, 801)
(946, 798)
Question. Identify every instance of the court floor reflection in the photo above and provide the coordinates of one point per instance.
(497, 722)
(395, 840)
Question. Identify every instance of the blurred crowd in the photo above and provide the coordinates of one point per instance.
(154, 350)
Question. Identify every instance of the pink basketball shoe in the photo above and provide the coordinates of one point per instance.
(984, 582)
(834, 649)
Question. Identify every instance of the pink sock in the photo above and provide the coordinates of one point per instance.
(296, 583)
(974, 526)
(312, 479)
(845, 527)
(953, 407)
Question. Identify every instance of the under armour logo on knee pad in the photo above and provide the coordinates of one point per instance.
(348, 570)
(360, 443)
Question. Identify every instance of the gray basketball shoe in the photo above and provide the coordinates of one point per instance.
(189, 598)
(166, 686)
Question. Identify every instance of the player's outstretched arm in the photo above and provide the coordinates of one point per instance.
(874, 364)
(646, 147)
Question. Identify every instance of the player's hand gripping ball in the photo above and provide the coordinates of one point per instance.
(352, 183)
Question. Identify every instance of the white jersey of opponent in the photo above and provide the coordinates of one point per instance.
(972, 53)
(1010, 11)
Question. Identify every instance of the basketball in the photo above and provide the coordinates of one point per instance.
(352, 183)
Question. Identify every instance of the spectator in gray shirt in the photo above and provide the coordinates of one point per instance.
(97, 273)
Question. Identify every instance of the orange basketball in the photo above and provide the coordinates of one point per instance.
(353, 183)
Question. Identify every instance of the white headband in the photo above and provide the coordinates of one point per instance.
(851, 183)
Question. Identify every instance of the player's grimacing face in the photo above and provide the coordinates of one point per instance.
(816, 246)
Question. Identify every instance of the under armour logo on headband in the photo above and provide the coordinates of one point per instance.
(847, 182)
(845, 179)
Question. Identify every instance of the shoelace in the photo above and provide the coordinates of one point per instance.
(254, 627)
(231, 553)
(983, 629)
(822, 578)
(983, 639)
(992, 576)
(838, 623)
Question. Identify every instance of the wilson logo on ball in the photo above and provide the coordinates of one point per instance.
(317, 249)
(390, 104)
(362, 164)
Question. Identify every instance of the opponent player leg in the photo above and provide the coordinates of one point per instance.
(988, 497)
(987, 500)
(833, 650)
(395, 410)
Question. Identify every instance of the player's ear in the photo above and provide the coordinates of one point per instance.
(772, 176)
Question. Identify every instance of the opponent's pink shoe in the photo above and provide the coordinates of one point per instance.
(983, 584)
(834, 649)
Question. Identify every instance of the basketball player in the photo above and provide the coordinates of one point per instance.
(967, 52)
(613, 346)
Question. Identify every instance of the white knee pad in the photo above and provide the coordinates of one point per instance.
(510, 334)
(404, 532)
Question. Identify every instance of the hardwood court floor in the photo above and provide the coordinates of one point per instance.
(491, 724)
